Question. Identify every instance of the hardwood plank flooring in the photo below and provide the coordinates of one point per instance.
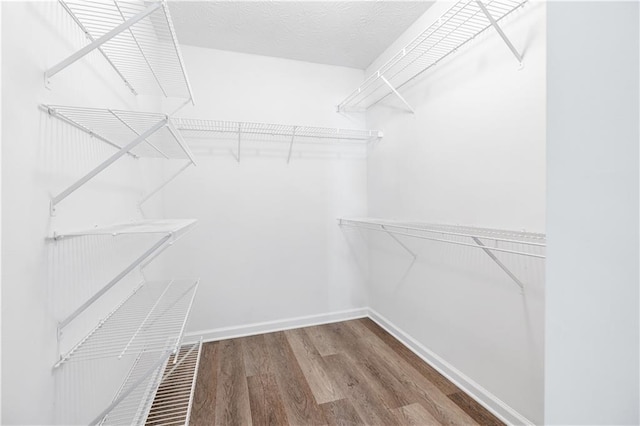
(348, 373)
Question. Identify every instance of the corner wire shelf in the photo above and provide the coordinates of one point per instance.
(139, 134)
(194, 128)
(138, 40)
(464, 21)
(151, 319)
(155, 391)
(170, 231)
(529, 244)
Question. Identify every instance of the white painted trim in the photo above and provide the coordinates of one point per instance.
(213, 335)
(485, 398)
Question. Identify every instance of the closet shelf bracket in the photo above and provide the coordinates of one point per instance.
(395, 92)
(397, 240)
(293, 136)
(504, 37)
(163, 184)
(499, 263)
(95, 44)
(109, 161)
(172, 230)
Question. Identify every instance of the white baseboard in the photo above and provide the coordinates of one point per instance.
(492, 403)
(488, 400)
(278, 325)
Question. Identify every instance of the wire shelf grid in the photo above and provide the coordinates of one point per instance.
(145, 52)
(520, 243)
(464, 21)
(118, 128)
(174, 227)
(191, 128)
(152, 319)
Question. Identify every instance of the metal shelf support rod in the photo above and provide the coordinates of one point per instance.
(165, 183)
(393, 89)
(113, 282)
(504, 37)
(64, 194)
(498, 262)
(293, 136)
(397, 240)
(100, 41)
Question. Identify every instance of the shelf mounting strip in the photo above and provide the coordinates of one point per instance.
(460, 24)
(138, 40)
(171, 231)
(195, 128)
(139, 134)
(535, 243)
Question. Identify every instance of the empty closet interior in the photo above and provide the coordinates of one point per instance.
(179, 173)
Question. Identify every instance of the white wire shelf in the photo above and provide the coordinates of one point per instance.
(140, 134)
(502, 241)
(172, 227)
(265, 132)
(151, 319)
(174, 398)
(138, 40)
(155, 391)
(464, 21)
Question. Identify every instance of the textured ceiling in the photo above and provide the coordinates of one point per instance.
(347, 33)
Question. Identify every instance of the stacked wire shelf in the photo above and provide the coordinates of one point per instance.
(463, 22)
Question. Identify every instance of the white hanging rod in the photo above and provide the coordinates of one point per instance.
(464, 21)
(152, 318)
(139, 133)
(171, 231)
(419, 230)
(195, 127)
(138, 40)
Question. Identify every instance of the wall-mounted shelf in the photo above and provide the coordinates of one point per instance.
(155, 391)
(502, 241)
(197, 128)
(169, 230)
(151, 319)
(140, 134)
(137, 39)
(464, 21)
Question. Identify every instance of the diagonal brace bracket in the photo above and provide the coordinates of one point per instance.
(293, 136)
(100, 41)
(498, 262)
(397, 240)
(393, 89)
(504, 37)
(124, 150)
(165, 183)
(114, 281)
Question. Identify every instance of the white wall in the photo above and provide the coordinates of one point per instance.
(267, 246)
(43, 281)
(592, 298)
(473, 154)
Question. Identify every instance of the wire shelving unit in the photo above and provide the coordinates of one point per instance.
(464, 21)
(137, 39)
(169, 230)
(198, 128)
(151, 319)
(140, 134)
(491, 241)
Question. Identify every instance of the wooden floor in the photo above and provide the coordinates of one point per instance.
(345, 373)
